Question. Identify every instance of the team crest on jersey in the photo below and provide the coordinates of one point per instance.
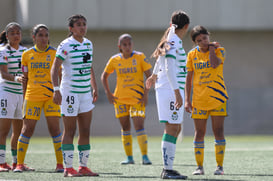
(174, 116)
(70, 109)
(146, 60)
(4, 112)
(134, 62)
(48, 58)
(64, 52)
(29, 112)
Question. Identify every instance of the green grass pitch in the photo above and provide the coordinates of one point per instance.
(247, 158)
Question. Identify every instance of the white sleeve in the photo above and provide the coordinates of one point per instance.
(171, 73)
(158, 62)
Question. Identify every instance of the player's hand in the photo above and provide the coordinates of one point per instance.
(150, 82)
(95, 95)
(57, 97)
(23, 79)
(111, 98)
(215, 44)
(188, 106)
(178, 99)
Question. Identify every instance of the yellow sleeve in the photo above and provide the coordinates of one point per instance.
(221, 53)
(109, 68)
(189, 62)
(145, 63)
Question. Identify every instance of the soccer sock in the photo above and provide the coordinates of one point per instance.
(142, 141)
(68, 154)
(22, 146)
(199, 152)
(57, 143)
(220, 146)
(2, 154)
(127, 141)
(84, 151)
(168, 147)
(14, 156)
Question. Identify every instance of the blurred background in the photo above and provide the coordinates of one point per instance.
(243, 27)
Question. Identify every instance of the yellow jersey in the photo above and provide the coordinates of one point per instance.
(130, 76)
(38, 63)
(209, 90)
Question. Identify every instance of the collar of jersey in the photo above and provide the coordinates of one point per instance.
(40, 51)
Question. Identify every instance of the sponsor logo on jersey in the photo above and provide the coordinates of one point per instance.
(70, 109)
(174, 116)
(4, 112)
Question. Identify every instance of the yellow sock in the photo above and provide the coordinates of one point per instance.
(142, 141)
(57, 143)
(22, 146)
(127, 142)
(220, 146)
(199, 152)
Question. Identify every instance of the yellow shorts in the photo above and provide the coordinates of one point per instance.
(204, 114)
(122, 110)
(33, 109)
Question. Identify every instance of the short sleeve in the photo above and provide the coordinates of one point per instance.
(3, 60)
(61, 51)
(221, 53)
(109, 68)
(145, 63)
(24, 59)
(189, 62)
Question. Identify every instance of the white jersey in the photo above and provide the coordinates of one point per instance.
(12, 58)
(77, 61)
(177, 53)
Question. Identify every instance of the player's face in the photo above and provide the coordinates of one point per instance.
(126, 46)
(41, 39)
(79, 28)
(14, 36)
(202, 41)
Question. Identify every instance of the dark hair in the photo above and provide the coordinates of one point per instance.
(37, 27)
(73, 19)
(3, 35)
(179, 19)
(122, 37)
(198, 30)
(3, 38)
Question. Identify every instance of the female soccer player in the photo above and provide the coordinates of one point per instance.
(75, 54)
(205, 67)
(169, 74)
(130, 96)
(38, 94)
(11, 92)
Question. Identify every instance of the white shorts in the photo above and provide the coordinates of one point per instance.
(167, 112)
(74, 104)
(11, 105)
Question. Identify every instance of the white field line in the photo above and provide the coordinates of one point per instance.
(263, 149)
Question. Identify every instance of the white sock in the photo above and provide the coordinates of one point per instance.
(168, 154)
(83, 157)
(2, 156)
(68, 158)
(14, 159)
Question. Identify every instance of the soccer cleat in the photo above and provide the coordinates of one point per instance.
(87, 172)
(129, 160)
(5, 166)
(22, 167)
(59, 168)
(172, 174)
(145, 160)
(199, 171)
(71, 172)
(13, 166)
(219, 171)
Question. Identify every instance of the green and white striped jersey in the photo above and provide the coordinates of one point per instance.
(12, 58)
(77, 62)
(177, 53)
